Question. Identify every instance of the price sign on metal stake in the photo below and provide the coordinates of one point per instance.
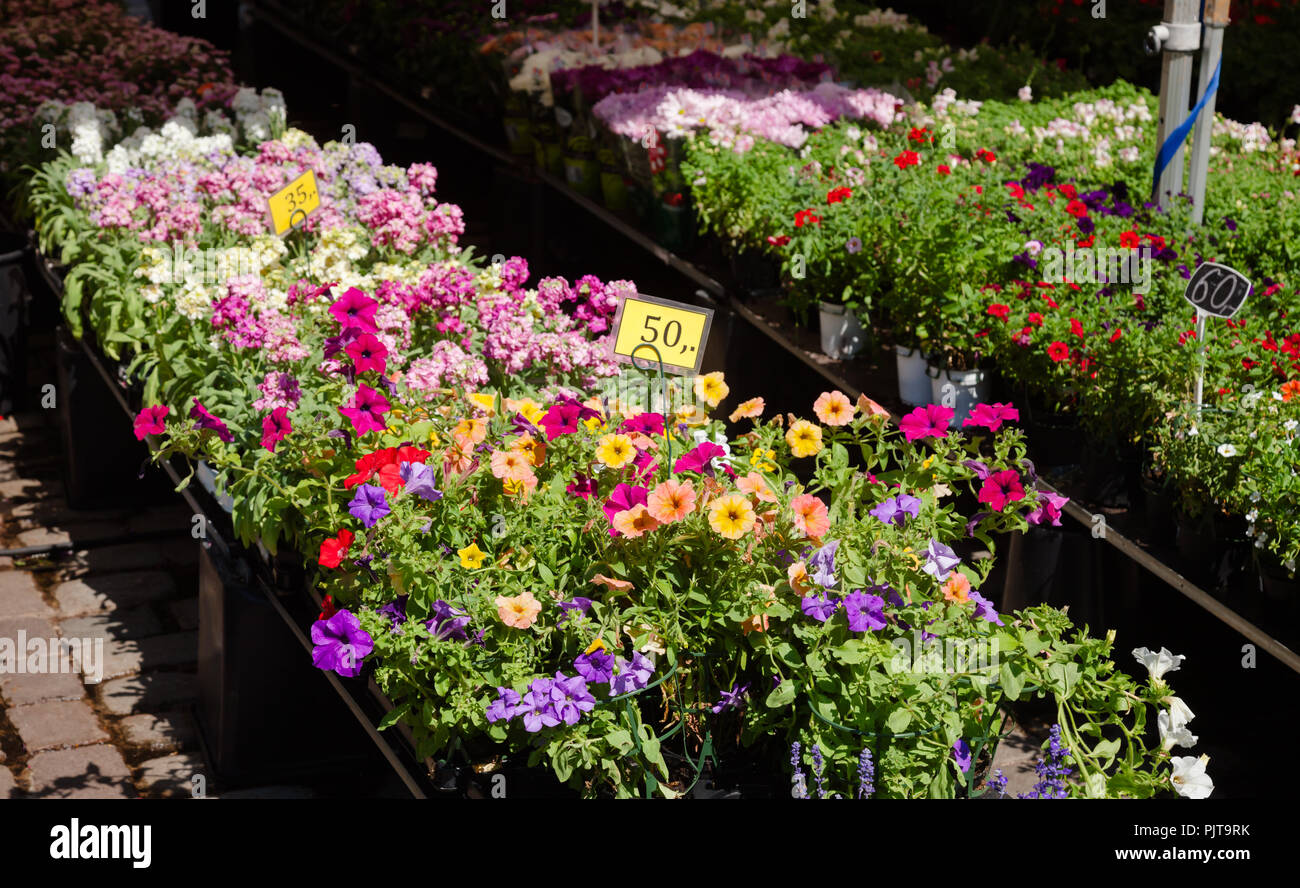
(678, 331)
(1213, 290)
(294, 202)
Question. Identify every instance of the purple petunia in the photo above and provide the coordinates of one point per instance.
(395, 611)
(596, 667)
(205, 420)
(419, 480)
(897, 508)
(369, 505)
(447, 621)
(939, 560)
(961, 754)
(866, 612)
(504, 707)
(570, 698)
(341, 644)
(984, 608)
(731, 699)
(820, 609)
(632, 676)
(823, 564)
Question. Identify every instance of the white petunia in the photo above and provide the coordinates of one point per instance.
(1226, 450)
(1180, 710)
(1158, 664)
(1174, 731)
(1189, 777)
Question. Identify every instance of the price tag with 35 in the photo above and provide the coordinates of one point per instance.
(293, 203)
(678, 332)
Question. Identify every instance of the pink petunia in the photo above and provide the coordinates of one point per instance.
(355, 309)
(645, 423)
(150, 422)
(930, 421)
(275, 428)
(367, 410)
(1001, 488)
(699, 458)
(991, 416)
(368, 353)
(1049, 509)
(621, 499)
(205, 420)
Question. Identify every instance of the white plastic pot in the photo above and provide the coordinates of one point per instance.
(913, 383)
(959, 389)
(842, 333)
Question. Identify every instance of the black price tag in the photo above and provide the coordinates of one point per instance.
(1217, 289)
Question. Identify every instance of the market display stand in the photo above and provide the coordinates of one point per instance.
(782, 341)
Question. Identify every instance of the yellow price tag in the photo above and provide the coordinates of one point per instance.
(652, 330)
(294, 202)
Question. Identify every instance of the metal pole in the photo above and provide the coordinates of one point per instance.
(1175, 90)
(1200, 370)
(1216, 19)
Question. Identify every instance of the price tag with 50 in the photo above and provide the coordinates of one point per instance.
(649, 330)
(294, 202)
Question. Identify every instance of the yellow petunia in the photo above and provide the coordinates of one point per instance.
(711, 388)
(485, 401)
(616, 451)
(732, 516)
(804, 438)
(471, 556)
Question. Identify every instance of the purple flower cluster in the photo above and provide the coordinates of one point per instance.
(547, 703)
(866, 775)
(1052, 771)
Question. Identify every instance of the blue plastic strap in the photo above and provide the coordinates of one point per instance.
(1178, 136)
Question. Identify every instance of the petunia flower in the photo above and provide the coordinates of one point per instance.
(333, 549)
(699, 458)
(834, 408)
(961, 755)
(1174, 731)
(367, 410)
(149, 421)
(984, 609)
(632, 675)
(355, 309)
(275, 428)
(897, 509)
(865, 612)
(597, 666)
(1001, 488)
(622, 498)
(368, 353)
(991, 416)
(1049, 509)
(1158, 664)
(811, 517)
(671, 501)
(823, 563)
(518, 611)
(820, 608)
(369, 505)
(1189, 777)
(340, 644)
(419, 480)
(205, 420)
(939, 560)
(930, 421)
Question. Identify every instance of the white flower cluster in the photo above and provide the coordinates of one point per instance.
(88, 127)
(885, 18)
(1189, 778)
(1250, 137)
(335, 251)
(259, 116)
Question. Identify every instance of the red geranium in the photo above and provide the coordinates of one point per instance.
(1000, 311)
(986, 155)
(835, 195)
(802, 216)
(906, 159)
(944, 169)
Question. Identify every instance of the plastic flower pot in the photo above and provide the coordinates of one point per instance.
(913, 383)
(842, 334)
(14, 293)
(637, 158)
(580, 168)
(674, 228)
(264, 713)
(959, 389)
(548, 154)
(613, 190)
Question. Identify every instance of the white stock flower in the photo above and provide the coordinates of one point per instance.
(1158, 664)
(1025, 93)
(1189, 777)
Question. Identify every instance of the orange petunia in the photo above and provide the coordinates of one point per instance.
(511, 465)
(612, 584)
(472, 430)
(870, 407)
(635, 521)
(755, 485)
(797, 574)
(518, 611)
(834, 408)
(811, 517)
(751, 409)
(1290, 389)
(957, 588)
(671, 501)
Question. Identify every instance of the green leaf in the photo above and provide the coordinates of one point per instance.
(781, 695)
(394, 716)
(898, 721)
(1012, 679)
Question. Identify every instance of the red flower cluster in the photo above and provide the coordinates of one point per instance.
(836, 195)
(920, 135)
(806, 216)
(1000, 311)
(986, 155)
(906, 159)
(386, 465)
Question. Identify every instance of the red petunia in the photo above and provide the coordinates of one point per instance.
(944, 170)
(327, 608)
(1069, 192)
(1087, 242)
(1076, 328)
(1035, 318)
(1076, 208)
(836, 195)
(986, 155)
(333, 549)
(779, 240)
(1117, 334)
(920, 135)
(1058, 351)
(1129, 239)
(1000, 311)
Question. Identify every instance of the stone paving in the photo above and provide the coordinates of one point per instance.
(134, 608)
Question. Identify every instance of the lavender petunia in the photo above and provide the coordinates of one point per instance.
(570, 698)
(504, 707)
(939, 560)
(632, 676)
(896, 509)
(820, 609)
(419, 480)
(731, 699)
(984, 608)
(961, 754)
(596, 667)
(447, 621)
(823, 564)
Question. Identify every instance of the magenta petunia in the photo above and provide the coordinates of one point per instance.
(1049, 509)
(930, 421)
(355, 309)
(991, 416)
(275, 428)
(582, 487)
(645, 423)
(205, 420)
(561, 419)
(699, 458)
(1001, 488)
(368, 353)
(149, 421)
(622, 498)
(367, 410)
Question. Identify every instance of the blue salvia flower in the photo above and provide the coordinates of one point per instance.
(998, 783)
(817, 770)
(1052, 771)
(867, 775)
(797, 779)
